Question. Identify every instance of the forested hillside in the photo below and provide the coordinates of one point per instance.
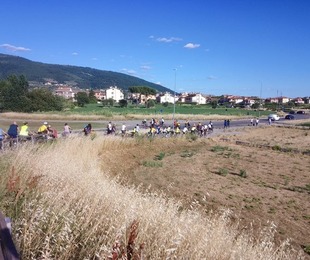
(37, 73)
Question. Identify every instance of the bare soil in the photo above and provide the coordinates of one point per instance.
(259, 180)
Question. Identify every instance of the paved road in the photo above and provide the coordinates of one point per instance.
(130, 124)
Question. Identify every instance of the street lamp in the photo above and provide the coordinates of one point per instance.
(260, 98)
(175, 84)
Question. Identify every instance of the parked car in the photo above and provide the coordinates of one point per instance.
(274, 117)
(300, 112)
(289, 117)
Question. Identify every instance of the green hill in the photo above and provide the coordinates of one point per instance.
(38, 73)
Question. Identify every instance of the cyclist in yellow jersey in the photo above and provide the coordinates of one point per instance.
(24, 132)
(43, 128)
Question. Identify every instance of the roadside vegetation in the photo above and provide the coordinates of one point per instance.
(73, 199)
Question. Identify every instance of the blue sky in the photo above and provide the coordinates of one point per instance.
(240, 47)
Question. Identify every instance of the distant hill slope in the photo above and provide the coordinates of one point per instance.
(83, 77)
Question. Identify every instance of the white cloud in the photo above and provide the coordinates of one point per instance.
(130, 72)
(191, 45)
(13, 48)
(167, 40)
(75, 53)
(145, 67)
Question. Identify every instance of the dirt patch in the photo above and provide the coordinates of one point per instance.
(259, 185)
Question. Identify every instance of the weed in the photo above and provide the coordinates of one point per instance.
(222, 172)
(186, 153)
(307, 249)
(160, 156)
(152, 164)
(272, 210)
(276, 148)
(219, 148)
(191, 137)
(243, 173)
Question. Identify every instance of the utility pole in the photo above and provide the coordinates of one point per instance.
(175, 84)
(260, 98)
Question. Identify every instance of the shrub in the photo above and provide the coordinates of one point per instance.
(160, 156)
(243, 173)
(222, 172)
(191, 137)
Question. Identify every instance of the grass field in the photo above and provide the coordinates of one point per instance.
(160, 109)
(183, 198)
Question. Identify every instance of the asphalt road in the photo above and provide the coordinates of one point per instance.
(130, 124)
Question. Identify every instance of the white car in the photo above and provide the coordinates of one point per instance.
(274, 117)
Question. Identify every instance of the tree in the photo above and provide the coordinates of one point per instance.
(44, 100)
(108, 102)
(214, 104)
(165, 104)
(255, 106)
(150, 103)
(82, 98)
(142, 90)
(92, 97)
(13, 94)
(123, 103)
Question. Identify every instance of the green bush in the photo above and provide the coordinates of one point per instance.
(243, 173)
(222, 172)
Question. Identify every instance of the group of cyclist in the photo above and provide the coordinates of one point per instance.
(44, 132)
(157, 128)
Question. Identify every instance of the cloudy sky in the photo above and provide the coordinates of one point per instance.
(241, 47)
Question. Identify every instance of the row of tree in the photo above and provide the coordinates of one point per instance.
(16, 96)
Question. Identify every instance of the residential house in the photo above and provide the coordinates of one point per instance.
(66, 92)
(165, 97)
(272, 100)
(235, 99)
(196, 98)
(248, 101)
(182, 97)
(306, 100)
(298, 101)
(100, 94)
(115, 93)
(284, 100)
(141, 98)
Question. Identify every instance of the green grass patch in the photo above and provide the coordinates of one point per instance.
(153, 164)
(160, 156)
(186, 154)
(304, 124)
(219, 148)
(160, 109)
(222, 172)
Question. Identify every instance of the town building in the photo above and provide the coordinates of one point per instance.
(165, 98)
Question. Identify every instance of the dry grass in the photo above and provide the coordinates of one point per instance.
(70, 207)
(44, 116)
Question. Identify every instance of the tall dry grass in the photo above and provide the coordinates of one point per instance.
(65, 207)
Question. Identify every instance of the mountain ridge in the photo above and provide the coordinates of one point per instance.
(38, 73)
